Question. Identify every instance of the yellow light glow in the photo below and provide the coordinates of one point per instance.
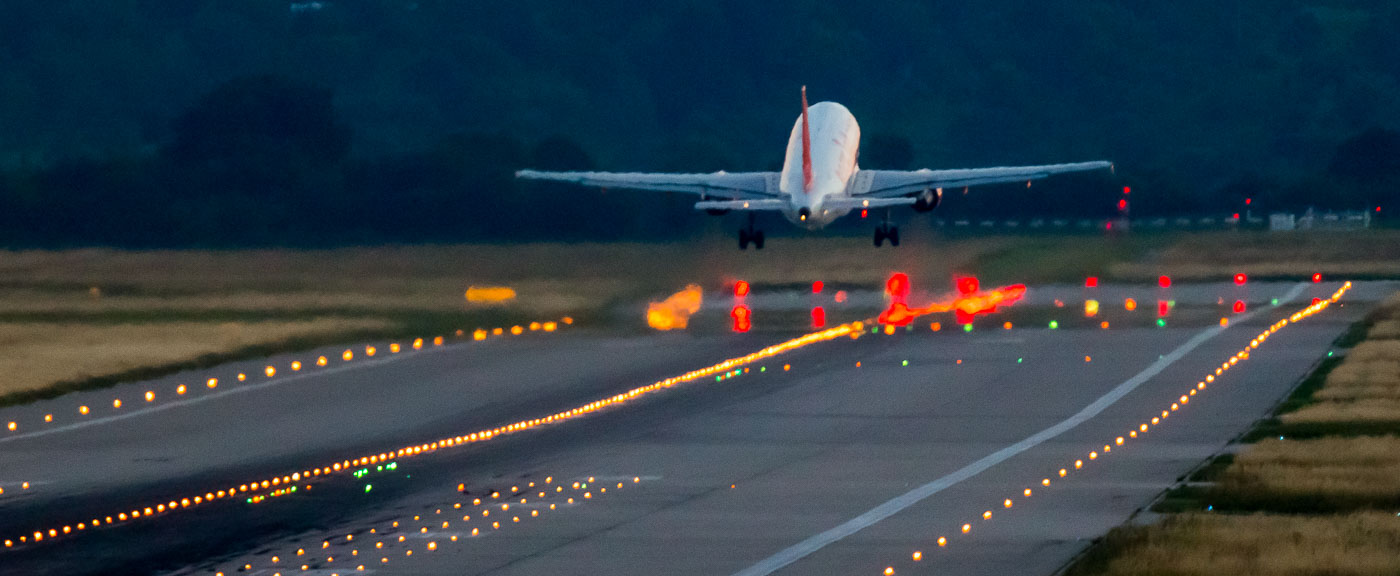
(270, 371)
(489, 294)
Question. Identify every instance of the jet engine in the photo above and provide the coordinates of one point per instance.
(714, 211)
(928, 200)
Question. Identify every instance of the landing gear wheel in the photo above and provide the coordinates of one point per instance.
(879, 236)
(744, 239)
(893, 236)
(757, 238)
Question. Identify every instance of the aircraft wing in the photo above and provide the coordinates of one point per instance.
(894, 183)
(733, 186)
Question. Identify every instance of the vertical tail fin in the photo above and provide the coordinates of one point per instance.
(806, 147)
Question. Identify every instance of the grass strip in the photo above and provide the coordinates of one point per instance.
(1359, 544)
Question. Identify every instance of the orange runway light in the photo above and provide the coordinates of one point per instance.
(741, 289)
(674, 312)
(489, 294)
(1130, 304)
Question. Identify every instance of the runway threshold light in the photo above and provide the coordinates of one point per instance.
(1164, 281)
(1317, 278)
(741, 289)
(1091, 282)
(1240, 279)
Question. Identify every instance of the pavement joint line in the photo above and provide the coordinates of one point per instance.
(897, 504)
(222, 394)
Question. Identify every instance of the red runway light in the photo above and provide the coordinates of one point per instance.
(1163, 308)
(1240, 279)
(1236, 216)
(1239, 306)
(741, 289)
(967, 285)
(1091, 282)
(817, 287)
(742, 318)
(1127, 190)
(1317, 278)
(818, 317)
(897, 286)
(1316, 300)
(1247, 201)
(1164, 281)
(1122, 204)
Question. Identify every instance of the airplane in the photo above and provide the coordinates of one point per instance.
(820, 180)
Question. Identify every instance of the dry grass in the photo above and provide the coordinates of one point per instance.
(1360, 544)
(1214, 255)
(1364, 388)
(1321, 475)
(549, 278)
(34, 356)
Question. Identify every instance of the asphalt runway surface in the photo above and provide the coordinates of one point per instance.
(862, 452)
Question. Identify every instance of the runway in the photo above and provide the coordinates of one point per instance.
(849, 456)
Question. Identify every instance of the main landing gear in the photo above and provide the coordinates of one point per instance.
(886, 231)
(748, 234)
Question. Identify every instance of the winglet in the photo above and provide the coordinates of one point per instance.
(806, 147)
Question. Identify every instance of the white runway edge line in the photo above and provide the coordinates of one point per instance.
(807, 547)
(230, 391)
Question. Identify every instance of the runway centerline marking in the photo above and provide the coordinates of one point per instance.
(899, 503)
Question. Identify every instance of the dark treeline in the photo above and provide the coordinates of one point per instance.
(264, 122)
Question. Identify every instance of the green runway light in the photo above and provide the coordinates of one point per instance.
(967, 327)
(368, 487)
(1274, 301)
(1054, 325)
(763, 369)
(904, 363)
(909, 328)
(1018, 360)
(874, 330)
(393, 465)
(1329, 353)
(718, 378)
(1171, 303)
(1161, 323)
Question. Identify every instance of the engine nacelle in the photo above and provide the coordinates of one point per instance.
(714, 211)
(928, 200)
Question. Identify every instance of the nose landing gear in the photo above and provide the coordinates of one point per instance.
(750, 235)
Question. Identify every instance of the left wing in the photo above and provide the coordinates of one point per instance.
(894, 183)
(733, 186)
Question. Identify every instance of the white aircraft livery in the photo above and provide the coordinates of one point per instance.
(820, 180)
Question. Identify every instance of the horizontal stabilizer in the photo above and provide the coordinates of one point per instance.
(769, 204)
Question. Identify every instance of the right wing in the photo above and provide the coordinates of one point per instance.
(732, 186)
(895, 183)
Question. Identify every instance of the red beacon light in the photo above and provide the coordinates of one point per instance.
(1240, 279)
(741, 289)
(1091, 282)
(1127, 190)
(1239, 306)
(1317, 277)
(818, 317)
(817, 287)
(1164, 281)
